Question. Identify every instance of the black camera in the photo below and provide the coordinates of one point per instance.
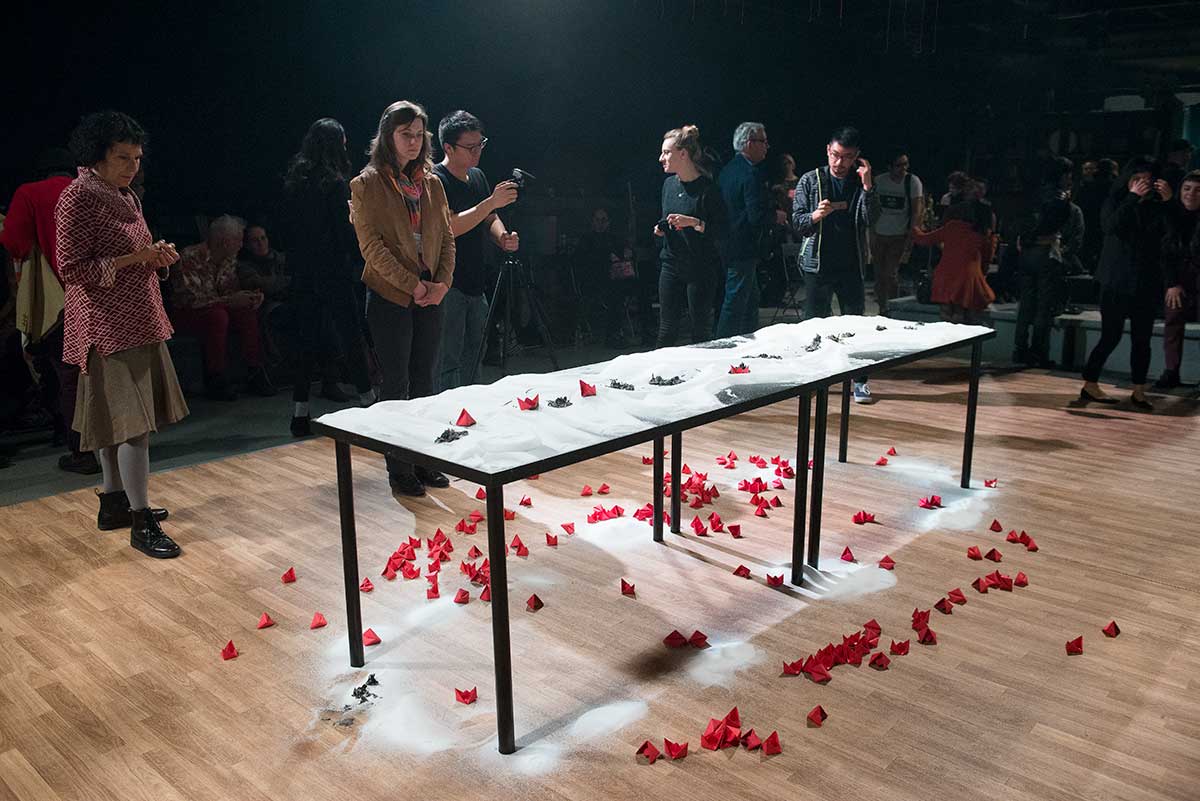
(522, 178)
(662, 226)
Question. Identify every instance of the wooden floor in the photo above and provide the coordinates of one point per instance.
(112, 685)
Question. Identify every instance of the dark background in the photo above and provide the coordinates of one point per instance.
(580, 92)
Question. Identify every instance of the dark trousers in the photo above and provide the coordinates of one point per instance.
(340, 307)
(60, 381)
(1176, 321)
(406, 341)
(676, 290)
(1041, 294)
(1115, 309)
(820, 289)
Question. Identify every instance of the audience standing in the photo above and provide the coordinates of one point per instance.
(1135, 218)
(28, 236)
(605, 272)
(959, 281)
(207, 301)
(402, 220)
(324, 252)
(693, 220)
(901, 210)
(1049, 243)
(747, 203)
(1181, 268)
(1097, 179)
(115, 325)
(473, 220)
(1177, 161)
(834, 208)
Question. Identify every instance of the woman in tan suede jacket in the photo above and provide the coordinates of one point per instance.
(402, 222)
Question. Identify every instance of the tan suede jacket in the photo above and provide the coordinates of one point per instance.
(385, 235)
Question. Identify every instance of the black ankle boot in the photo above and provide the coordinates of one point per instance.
(114, 511)
(147, 536)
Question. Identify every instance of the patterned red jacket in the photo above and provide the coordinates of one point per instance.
(107, 309)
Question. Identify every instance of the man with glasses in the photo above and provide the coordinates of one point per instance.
(834, 209)
(744, 189)
(473, 205)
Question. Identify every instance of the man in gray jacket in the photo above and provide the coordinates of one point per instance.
(833, 211)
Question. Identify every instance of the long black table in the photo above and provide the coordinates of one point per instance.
(807, 520)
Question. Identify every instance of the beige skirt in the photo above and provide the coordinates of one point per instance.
(125, 395)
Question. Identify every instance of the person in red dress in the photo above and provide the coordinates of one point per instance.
(115, 325)
(959, 281)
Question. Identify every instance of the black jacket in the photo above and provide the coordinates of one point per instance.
(744, 189)
(322, 247)
(1131, 258)
(811, 189)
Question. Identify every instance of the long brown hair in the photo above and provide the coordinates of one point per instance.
(383, 149)
(688, 138)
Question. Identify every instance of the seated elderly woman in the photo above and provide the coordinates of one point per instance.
(207, 301)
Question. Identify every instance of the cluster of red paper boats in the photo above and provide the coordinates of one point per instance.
(697, 492)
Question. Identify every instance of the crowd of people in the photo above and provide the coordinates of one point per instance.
(384, 281)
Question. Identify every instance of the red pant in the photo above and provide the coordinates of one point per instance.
(212, 323)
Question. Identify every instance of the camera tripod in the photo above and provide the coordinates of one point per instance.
(513, 276)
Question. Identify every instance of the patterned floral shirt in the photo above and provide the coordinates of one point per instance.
(198, 280)
(107, 309)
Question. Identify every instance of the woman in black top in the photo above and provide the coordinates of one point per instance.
(322, 248)
(1135, 219)
(693, 218)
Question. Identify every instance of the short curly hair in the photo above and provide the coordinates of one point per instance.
(99, 131)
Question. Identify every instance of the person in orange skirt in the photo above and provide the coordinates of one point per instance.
(959, 283)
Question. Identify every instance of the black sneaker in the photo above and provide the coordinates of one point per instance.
(406, 484)
(83, 463)
(1168, 380)
(431, 478)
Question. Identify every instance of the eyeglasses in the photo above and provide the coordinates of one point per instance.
(474, 148)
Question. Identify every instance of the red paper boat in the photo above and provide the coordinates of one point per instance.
(371, 638)
(288, 576)
(899, 648)
(741, 571)
(974, 553)
(674, 750)
(648, 751)
(527, 404)
(466, 696)
(586, 390)
(848, 555)
(464, 419)
(891, 451)
(881, 461)
(627, 588)
(366, 585)
(879, 661)
(1112, 629)
(1021, 580)
(817, 716)
(698, 639)
(462, 596)
(887, 563)
(230, 651)
(318, 621)
(265, 621)
(770, 746)
(774, 581)
(995, 526)
(993, 555)
(990, 483)
(534, 603)
(551, 540)
(675, 640)
(1075, 646)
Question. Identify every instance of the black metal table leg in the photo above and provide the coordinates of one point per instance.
(801, 502)
(972, 406)
(656, 489)
(345, 478)
(676, 465)
(501, 643)
(818, 477)
(844, 423)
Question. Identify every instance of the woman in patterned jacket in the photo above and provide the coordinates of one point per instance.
(115, 325)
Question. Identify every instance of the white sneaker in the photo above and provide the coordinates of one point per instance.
(862, 393)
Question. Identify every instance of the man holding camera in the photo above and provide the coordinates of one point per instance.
(473, 205)
(834, 209)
